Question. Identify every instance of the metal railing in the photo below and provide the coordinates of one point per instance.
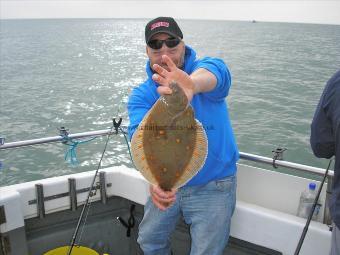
(52, 139)
(245, 156)
(299, 168)
(286, 164)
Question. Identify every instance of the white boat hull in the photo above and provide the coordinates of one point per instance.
(264, 215)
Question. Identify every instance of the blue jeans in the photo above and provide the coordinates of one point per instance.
(207, 209)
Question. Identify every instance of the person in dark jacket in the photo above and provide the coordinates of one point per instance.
(207, 201)
(325, 142)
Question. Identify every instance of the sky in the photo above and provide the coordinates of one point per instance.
(300, 11)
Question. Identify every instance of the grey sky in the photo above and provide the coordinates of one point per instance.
(305, 11)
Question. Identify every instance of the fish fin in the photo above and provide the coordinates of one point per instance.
(138, 153)
(198, 158)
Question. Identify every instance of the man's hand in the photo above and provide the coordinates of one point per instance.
(164, 77)
(162, 199)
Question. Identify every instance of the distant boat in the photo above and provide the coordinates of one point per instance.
(253, 21)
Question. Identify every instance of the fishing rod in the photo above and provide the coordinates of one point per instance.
(117, 126)
(73, 240)
(304, 232)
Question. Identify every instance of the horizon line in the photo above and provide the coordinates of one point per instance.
(190, 19)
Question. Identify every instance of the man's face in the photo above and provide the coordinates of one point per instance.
(176, 53)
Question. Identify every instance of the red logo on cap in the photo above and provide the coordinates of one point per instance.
(159, 24)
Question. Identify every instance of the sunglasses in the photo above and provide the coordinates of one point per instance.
(170, 43)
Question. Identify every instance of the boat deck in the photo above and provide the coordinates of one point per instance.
(104, 233)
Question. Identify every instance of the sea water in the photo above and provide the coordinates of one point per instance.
(77, 73)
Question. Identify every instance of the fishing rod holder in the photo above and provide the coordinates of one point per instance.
(39, 192)
(63, 132)
(2, 141)
(117, 124)
(102, 183)
(327, 215)
(278, 155)
(73, 193)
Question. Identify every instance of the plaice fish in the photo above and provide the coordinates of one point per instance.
(170, 145)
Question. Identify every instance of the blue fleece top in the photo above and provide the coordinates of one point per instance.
(325, 137)
(210, 109)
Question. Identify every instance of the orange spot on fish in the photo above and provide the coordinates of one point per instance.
(178, 140)
(161, 132)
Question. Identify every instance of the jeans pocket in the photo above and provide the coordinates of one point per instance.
(226, 185)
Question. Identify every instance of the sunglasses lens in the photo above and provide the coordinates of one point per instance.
(155, 44)
(171, 43)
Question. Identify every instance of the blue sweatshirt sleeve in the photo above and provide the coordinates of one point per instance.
(137, 108)
(222, 74)
(325, 127)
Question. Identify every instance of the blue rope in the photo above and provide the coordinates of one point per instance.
(128, 145)
(71, 155)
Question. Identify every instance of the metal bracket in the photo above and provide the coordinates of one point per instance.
(65, 194)
(4, 245)
(73, 193)
(117, 124)
(2, 215)
(278, 155)
(39, 191)
(63, 132)
(102, 182)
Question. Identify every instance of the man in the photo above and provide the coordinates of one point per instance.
(207, 201)
(325, 142)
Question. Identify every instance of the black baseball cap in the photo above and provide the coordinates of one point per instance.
(162, 25)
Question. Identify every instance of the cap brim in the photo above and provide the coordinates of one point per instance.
(161, 31)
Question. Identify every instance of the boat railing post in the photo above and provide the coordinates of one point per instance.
(39, 191)
(327, 217)
(102, 182)
(73, 193)
(2, 214)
